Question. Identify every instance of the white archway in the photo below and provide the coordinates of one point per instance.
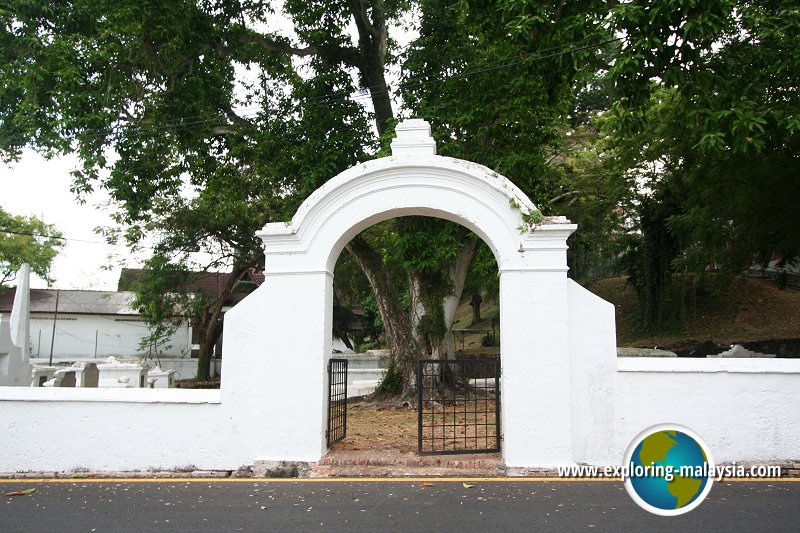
(283, 329)
(567, 398)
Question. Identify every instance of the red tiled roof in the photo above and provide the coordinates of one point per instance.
(209, 283)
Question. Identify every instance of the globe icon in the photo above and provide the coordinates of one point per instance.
(669, 470)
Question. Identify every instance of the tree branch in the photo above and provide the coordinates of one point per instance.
(361, 13)
(276, 46)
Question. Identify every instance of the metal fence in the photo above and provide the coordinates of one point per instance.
(337, 400)
(458, 406)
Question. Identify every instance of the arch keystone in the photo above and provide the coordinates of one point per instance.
(413, 139)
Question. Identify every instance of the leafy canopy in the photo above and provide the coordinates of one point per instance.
(26, 240)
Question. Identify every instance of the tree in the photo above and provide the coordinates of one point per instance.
(496, 88)
(157, 83)
(220, 124)
(26, 240)
(705, 137)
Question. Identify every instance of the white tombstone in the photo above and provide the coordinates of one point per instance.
(19, 326)
(15, 369)
(42, 374)
(737, 350)
(86, 374)
(63, 377)
(115, 373)
(161, 379)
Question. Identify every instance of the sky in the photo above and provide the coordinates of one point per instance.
(36, 186)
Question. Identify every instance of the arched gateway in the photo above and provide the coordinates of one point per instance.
(566, 396)
(278, 340)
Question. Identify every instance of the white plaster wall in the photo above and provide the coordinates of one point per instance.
(116, 335)
(274, 377)
(113, 430)
(745, 410)
(535, 388)
(593, 375)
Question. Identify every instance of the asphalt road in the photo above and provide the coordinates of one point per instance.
(178, 505)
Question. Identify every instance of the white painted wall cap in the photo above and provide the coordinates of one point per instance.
(413, 139)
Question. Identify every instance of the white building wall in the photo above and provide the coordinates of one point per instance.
(593, 376)
(89, 336)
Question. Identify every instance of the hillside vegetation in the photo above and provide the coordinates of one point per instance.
(743, 310)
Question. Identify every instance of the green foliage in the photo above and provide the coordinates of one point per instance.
(709, 112)
(490, 340)
(701, 140)
(496, 81)
(162, 299)
(214, 129)
(26, 240)
(496, 87)
(533, 218)
(391, 382)
(668, 130)
(590, 196)
(483, 276)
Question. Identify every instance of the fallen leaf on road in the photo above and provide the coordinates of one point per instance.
(20, 492)
(427, 485)
(467, 485)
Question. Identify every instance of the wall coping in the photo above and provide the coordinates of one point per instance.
(109, 395)
(696, 365)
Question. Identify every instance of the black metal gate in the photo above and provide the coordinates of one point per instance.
(337, 400)
(458, 406)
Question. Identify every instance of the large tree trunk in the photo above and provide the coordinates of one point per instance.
(400, 326)
(208, 326)
(475, 303)
(396, 322)
(458, 276)
(204, 359)
(373, 38)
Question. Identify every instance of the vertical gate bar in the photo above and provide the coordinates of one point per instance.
(420, 381)
(497, 370)
(330, 382)
(344, 421)
(337, 400)
(429, 396)
(485, 389)
(465, 388)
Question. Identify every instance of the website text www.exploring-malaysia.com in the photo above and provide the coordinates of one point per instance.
(668, 472)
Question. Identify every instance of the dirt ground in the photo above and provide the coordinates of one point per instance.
(383, 426)
(379, 426)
